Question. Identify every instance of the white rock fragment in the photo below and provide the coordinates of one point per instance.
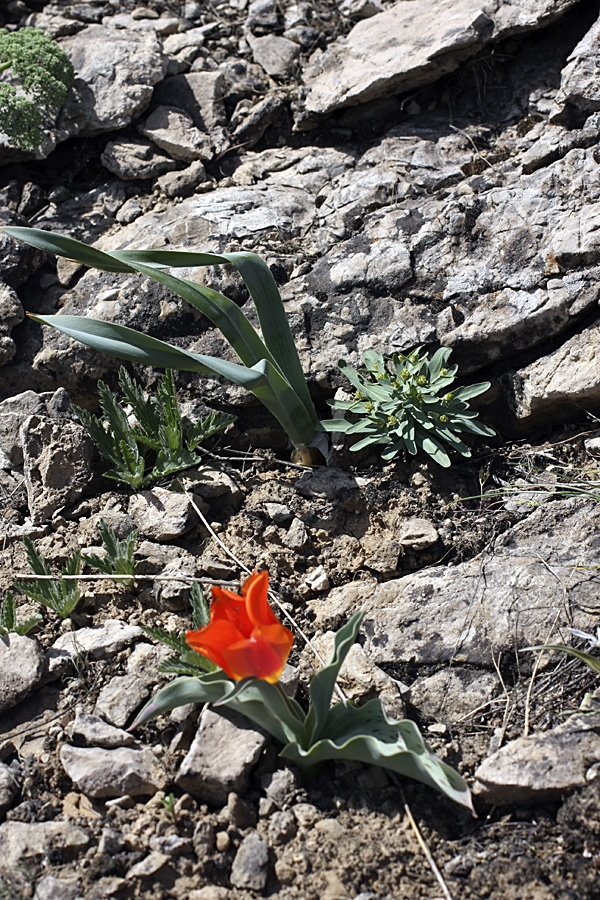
(21, 668)
(317, 580)
(162, 515)
(221, 757)
(98, 642)
(101, 773)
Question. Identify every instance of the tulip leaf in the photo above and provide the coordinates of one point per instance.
(292, 404)
(263, 379)
(208, 688)
(266, 705)
(323, 682)
(592, 661)
(367, 735)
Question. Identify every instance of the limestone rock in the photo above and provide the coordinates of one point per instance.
(49, 888)
(275, 54)
(557, 384)
(57, 464)
(120, 698)
(11, 313)
(183, 182)
(502, 599)
(172, 130)
(13, 412)
(579, 86)
(412, 44)
(221, 757)
(199, 94)
(540, 767)
(21, 668)
(454, 692)
(161, 515)
(9, 787)
(22, 841)
(116, 70)
(417, 534)
(250, 866)
(98, 641)
(133, 159)
(95, 732)
(102, 773)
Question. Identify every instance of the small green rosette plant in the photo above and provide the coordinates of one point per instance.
(250, 647)
(398, 407)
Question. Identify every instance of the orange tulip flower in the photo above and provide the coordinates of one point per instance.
(244, 636)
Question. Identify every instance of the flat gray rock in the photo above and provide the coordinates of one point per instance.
(161, 515)
(57, 464)
(116, 70)
(412, 44)
(553, 384)
(102, 773)
(22, 841)
(98, 641)
(13, 412)
(95, 732)
(120, 698)
(21, 668)
(250, 866)
(9, 787)
(507, 597)
(541, 767)
(221, 758)
(173, 131)
(133, 159)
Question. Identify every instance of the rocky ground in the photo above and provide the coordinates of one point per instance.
(413, 176)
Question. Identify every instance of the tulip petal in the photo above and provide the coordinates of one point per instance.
(256, 590)
(244, 636)
(211, 641)
(230, 607)
(263, 656)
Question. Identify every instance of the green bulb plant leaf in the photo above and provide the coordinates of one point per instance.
(270, 366)
(398, 407)
(326, 732)
(45, 75)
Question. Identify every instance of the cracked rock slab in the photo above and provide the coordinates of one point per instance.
(564, 380)
(57, 464)
(20, 841)
(503, 599)
(413, 44)
(116, 70)
(541, 767)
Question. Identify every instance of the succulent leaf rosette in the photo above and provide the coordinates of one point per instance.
(403, 404)
(250, 647)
